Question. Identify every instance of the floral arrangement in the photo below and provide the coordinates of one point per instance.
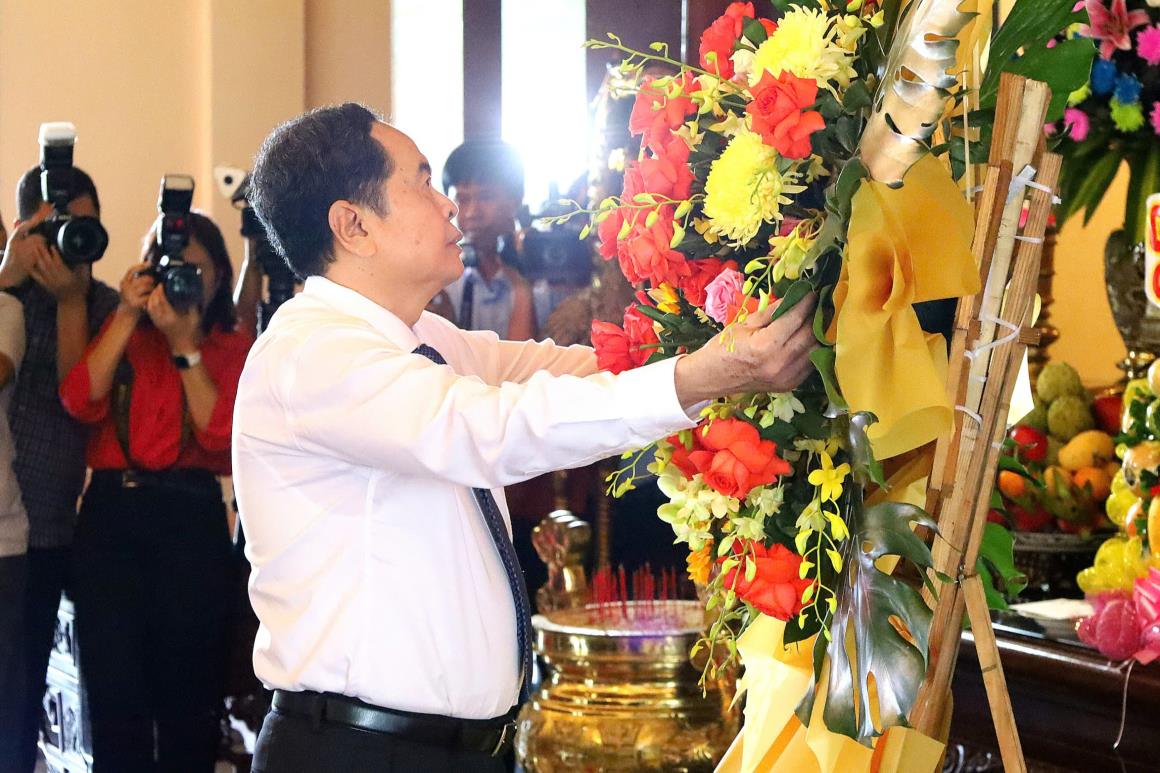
(751, 188)
(1123, 583)
(1114, 114)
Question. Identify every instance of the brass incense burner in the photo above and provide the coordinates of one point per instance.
(619, 692)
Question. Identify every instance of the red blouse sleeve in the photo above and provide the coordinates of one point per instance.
(225, 365)
(74, 390)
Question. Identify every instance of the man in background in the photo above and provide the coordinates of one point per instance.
(485, 179)
(63, 308)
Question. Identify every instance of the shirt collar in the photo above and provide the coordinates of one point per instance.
(355, 304)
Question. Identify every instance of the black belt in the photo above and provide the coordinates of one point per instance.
(491, 736)
(186, 480)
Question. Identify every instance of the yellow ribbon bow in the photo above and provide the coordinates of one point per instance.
(905, 245)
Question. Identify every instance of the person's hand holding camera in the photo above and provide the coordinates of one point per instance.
(180, 328)
(22, 252)
(68, 284)
(136, 287)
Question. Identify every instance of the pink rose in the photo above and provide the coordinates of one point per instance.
(721, 294)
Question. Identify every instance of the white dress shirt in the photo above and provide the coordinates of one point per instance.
(374, 575)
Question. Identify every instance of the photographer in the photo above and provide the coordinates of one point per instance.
(153, 564)
(63, 307)
(485, 179)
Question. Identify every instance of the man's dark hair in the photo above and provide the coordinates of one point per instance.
(307, 164)
(28, 198)
(485, 162)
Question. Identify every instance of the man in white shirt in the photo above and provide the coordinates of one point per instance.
(371, 444)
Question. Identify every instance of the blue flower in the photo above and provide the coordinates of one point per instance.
(1128, 89)
(1103, 76)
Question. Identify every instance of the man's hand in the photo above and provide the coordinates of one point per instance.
(754, 356)
(67, 285)
(181, 329)
(22, 252)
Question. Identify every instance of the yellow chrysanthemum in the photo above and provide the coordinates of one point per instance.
(745, 188)
(699, 563)
(805, 44)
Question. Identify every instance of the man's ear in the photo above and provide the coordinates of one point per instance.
(346, 224)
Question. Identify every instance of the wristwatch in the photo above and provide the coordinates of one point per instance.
(186, 361)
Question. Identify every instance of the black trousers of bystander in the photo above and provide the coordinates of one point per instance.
(153, 578)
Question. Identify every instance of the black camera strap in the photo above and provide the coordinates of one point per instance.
(122, 400)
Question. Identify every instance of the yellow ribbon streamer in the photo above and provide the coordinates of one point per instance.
(777, 675)
(904, 246)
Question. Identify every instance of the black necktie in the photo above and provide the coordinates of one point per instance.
(507, 556)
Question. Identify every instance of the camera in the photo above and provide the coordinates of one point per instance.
(234, 184)
(181, 280)
(78, 239)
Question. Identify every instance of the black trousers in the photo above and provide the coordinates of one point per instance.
(13, 574)
(291, 744)
(152, 584)
(48, 573)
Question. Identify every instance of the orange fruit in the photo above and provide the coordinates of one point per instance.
(1097, 478)
(1012, 484)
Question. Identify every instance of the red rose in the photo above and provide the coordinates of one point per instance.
(655, 115)
(731, 457)
(609, 228)
(620, 349)
(612, 347)
(680, 456)
(704, 272)
(722, 35)
(778, 113)
(667, 172)
(776, 589)
(645, 254)
(641, 335)
(607, 232)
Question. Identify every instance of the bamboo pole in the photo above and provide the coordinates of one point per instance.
(965, 463)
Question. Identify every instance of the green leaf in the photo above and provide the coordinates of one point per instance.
(857, 97)
(798, 290)
(870, 604)
(1030, 24)
(823, 359)
(820, 315)
(1095, 185)
(996, 562)
(1064, 67)
(866, 468)
(754, 32)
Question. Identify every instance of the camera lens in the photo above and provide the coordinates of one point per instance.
(82, 240)
(183, 286)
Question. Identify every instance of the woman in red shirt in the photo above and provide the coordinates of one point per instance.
(152, 552)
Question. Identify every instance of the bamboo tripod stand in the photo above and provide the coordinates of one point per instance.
(991, 333)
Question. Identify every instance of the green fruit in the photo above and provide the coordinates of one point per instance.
(1068, 416)
(1058, 379)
